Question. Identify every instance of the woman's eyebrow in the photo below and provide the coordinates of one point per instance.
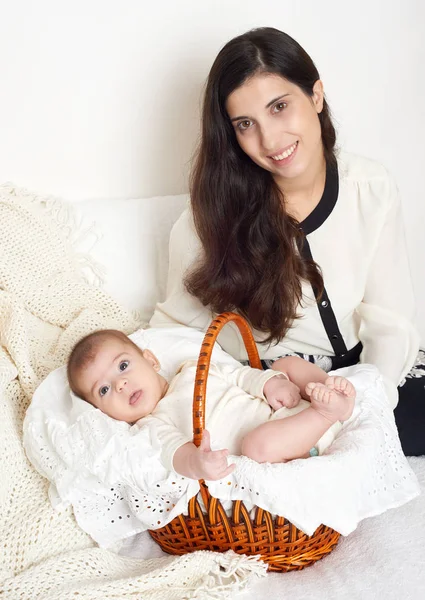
(238, 118)
(267, 106)
(276, 99)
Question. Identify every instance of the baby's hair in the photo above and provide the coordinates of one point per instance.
(85, 351)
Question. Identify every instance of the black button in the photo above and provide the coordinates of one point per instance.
(335, 336)
(325, 303)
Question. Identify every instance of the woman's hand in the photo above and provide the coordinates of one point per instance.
(279, 392)
(202, 462)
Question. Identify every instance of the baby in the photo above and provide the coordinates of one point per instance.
(246, 409)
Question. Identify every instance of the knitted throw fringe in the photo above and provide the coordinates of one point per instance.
(96, 573)
(49, 300)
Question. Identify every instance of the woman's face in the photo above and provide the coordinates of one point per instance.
(277, 124)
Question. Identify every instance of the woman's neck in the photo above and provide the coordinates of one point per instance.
(302, 194)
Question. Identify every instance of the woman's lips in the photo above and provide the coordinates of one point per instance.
(135, 397)
(281, 160)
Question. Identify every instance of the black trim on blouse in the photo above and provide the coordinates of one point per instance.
(314, 220)
(326, 203)
(326, 312)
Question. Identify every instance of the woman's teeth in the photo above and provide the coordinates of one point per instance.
(286, 153)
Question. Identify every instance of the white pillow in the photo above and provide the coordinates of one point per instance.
(133, 246)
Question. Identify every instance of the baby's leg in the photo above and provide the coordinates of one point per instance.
(301, 372)
(293, 437)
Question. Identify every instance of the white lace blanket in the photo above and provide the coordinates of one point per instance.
(112, 475)
(46, 305)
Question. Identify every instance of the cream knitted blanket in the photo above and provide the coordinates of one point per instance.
(46, 304)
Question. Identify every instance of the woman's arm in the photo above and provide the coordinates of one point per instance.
(387, 331)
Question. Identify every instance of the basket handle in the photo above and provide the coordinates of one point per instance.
(204, 360)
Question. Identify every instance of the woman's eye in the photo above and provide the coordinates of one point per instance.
(279, 107)
(103, 390)
(124, 364)
(243, 125)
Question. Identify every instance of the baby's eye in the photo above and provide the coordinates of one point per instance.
(243, 125)
(124, 364)
(103, 390)
(279, 107)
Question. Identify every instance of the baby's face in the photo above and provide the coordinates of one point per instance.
(122, 381)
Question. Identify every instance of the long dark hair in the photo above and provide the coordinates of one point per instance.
(250, 262)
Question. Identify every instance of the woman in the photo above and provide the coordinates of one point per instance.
(307, 245)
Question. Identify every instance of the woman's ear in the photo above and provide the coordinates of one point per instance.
(318, 96)
(152, 359)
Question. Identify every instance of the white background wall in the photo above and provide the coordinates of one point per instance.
(99, 98)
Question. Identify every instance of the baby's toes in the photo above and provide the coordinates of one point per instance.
(340, 384)
(349, 389)
(319, 392)
(309, 388)
(327, 396)
(330, 382)
(344, 386)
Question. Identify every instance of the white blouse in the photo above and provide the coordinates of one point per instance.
(358, 241)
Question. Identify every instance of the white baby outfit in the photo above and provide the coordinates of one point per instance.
(235, 405)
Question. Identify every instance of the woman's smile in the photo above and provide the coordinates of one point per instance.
(285, 156)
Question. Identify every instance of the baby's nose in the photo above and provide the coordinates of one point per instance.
(121, 383)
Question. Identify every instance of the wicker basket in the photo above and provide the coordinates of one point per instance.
(279, 542)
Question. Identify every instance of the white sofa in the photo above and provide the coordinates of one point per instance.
(384, 556)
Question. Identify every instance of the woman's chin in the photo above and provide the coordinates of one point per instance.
(292, 171)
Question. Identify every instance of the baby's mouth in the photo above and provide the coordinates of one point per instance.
(135, 397)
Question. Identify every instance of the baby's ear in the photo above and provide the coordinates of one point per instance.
(152, 359)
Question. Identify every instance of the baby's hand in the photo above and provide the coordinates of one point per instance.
(279, 391)
(210, 464)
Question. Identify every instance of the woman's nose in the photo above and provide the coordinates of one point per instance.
(269, 137)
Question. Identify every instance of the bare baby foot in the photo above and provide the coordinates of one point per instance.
(342, 385)
(333, 405)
